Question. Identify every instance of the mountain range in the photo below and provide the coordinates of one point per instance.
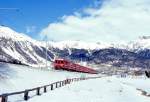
(19, 48)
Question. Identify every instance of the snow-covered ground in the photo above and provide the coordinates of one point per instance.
(18, 78)
(105, 89)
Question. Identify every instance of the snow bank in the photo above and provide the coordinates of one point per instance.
(108, 89)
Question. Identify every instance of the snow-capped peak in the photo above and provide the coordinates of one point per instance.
(144, 37)
(7, 32)
(79, 45)
(141, 43)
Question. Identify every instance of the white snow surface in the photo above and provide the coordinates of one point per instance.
(141, 43)
(18, 78)
(7, 32)
(79, 45)
(105, 89)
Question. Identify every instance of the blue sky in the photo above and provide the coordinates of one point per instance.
(34, 15)
(87, 20)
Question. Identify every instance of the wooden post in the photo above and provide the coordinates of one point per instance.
(51, 86)
(65, 81)
(38, 91)
(68, 81)
(56, 84)
(60, 83)
(4, 98)
(26, 97)
(147, 74)
(45, 89)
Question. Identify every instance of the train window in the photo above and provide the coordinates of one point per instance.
(59, 62)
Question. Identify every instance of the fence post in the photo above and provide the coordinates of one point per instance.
(45, 89)
(68, 81)
(26, 95)
(60, 83)
(51, 86)
(38, 91)
(4, 98)
(63, 83)
(56, 84)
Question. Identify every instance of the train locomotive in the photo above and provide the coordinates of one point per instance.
(62, 64)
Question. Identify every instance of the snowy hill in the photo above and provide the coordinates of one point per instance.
(105, 89)
(19, 48)
(132, 54)
(13, 77)
(108, 89)
(18, 77)
(141, 43)
(79, 45)
(7, 33)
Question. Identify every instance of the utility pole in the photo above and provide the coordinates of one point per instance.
(46, 50)
(46, 53)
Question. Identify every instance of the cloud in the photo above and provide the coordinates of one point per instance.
(111, 21)
(30, 29)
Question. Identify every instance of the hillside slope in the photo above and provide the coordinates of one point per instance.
(107, 89)
(19, 48)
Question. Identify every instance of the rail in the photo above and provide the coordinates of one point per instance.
(4, 97)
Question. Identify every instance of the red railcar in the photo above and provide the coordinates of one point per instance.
(67, 65)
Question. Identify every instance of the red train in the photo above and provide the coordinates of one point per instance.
(70, 66)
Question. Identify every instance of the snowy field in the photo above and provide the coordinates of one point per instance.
(105, 89)
(18, 78)
(108, 89)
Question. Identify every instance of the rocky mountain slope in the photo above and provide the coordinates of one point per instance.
(21, 49)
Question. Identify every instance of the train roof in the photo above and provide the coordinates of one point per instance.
(60, 59)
